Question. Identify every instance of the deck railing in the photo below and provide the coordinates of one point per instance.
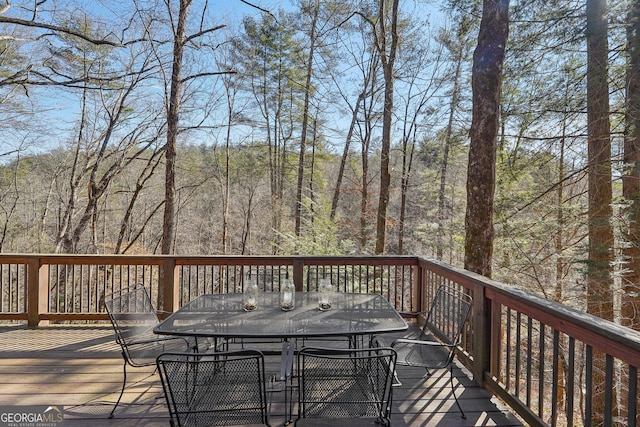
(551, 364)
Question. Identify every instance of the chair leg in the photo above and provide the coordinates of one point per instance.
(385, 418)
(453, 391)
(124, 382)
(288, 405)
(286, 375)
(396, 380)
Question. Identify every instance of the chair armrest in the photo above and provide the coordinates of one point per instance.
(421, 342)
(159, 338)
(411, 313)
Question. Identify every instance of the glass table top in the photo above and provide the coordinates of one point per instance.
(222, 315)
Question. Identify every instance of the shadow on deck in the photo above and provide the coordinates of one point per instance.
(80, 368)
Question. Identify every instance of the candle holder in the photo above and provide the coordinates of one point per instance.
(324, 294)
(250, 294)
(287, 295)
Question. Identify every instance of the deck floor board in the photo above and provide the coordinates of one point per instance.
(80, 368)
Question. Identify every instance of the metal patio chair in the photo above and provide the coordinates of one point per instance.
(439, 337)
(345, 387)
(133, 318)
(225, 388)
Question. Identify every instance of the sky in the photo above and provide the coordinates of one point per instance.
(63, 107)
(236, 9)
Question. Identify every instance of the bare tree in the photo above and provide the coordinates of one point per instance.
(363, 118)
(180, 40)
(173, 116)
(314, 9)
(386, 42)
(98, 159)
(457, 44)
(419, 70)
(123, 244)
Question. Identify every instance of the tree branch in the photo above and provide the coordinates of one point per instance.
(259, 8)
(22, 22)
(215, 73)
(203, 32)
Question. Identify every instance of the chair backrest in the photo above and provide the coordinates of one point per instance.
(447, 315)
(224, 388)
(132, 316)
(346, 383)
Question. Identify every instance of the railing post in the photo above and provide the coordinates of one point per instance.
(298, 273)
(37, 290)
(418, 303)
(169, 280)
(482, 333)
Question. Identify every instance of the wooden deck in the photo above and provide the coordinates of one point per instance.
(80, 367)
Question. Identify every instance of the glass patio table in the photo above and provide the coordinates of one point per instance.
(222, 316)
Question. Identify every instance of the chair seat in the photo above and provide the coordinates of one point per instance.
(423, 351)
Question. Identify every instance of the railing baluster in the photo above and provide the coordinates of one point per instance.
(588, 386)
(608, 391)
(541, 375)
(632, 399)
(571, 381)
(518, 353)
(529, 359)
(507, 345)
(554, 377)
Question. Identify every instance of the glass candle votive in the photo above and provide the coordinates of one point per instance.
(250, 295)
(325, 291)
(287, 295)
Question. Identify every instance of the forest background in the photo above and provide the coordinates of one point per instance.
(264, 131)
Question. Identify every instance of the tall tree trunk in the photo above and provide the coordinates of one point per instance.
(486, 82)
(64, 243)
(630, 301)
(459, 53)
(630, 310)
(388, 61)
(368, 87)
(599, 294)
(226, 186)
(345, 154)
(305, 120)
(312, 167)
(364, 200)
(560, 220)
(369, 114)
(173, 114)
(407, 163)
